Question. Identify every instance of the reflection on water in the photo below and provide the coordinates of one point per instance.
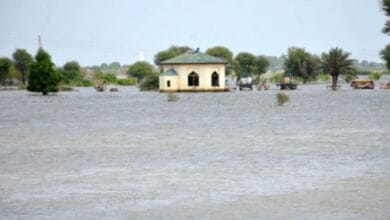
(229, 155)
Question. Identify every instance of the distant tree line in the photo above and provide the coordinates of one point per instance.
(297, 62)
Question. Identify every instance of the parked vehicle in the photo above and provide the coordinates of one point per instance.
(288, 84)
(363, 84)
(245, 82)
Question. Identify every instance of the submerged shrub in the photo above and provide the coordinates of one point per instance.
(282, 98)
(172, 97)
(376, 75)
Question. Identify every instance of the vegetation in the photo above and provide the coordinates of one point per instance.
(245, 63)
(5, 65)
(223, 53)
(131, 81)
(172, 97)
(336, 62)
(141, 70)
(43, 78)
(282, 98)
(22, 62)
(376, 75)
(385, 53)
(151, 82)
(71, 73)
(301, 64)
(170, 53)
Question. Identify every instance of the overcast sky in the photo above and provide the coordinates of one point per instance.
(97, 31)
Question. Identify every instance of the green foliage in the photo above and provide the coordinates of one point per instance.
(324, 77)
(301, 64)
(259, 66)
(5, 64)
(85, 83)
(386, 9)
(22, 62)
(224, 53)
(71, 73)
(336, 63)
(375, 75)
(276, 77)
(171, 52)
(140, 70)
(172, 97)
(131, 81)
(282, 98)
(151, 82)
(243, 63)
(385, 55)
(43, 78)
(110, 78)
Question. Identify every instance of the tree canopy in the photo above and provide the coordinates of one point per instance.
(140, 70)
(5, 65)
(301, 64)
(385, 53)
(242, 63)
(71, 72)
(22, 62)
(223, 53)
(171, 52)
(337, 62)
(43, 78)
(246, 62)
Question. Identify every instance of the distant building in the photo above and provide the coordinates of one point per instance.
(193, 72)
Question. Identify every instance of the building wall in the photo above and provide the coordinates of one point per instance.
(203, 70)
(174, 83)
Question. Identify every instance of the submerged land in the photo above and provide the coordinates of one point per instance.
(234, 155)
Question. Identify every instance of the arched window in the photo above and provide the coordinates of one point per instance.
(193, 79)
(169, 83)
(214, 79)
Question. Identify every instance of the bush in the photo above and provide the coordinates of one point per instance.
(324, 77)
(376, 75)
(282, 98)
(172, 97)
(110, 78)
(131, 81)
(150, 83)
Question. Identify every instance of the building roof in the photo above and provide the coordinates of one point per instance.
(170, 72)
(194, 57)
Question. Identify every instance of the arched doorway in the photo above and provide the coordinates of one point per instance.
(214, 79)
(193, 79)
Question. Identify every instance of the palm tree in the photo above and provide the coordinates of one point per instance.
(336, 63)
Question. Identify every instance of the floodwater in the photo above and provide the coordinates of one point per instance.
(234, 155)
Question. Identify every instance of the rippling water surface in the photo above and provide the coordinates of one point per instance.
(235, 155)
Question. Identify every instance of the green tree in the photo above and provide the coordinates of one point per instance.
(5, 64)
(171, 52)
(140, 70)
(385, 55)
(43, 78)
(301, 64)
(243, 63)
(386, 9)
(22, 62)
(336, 62)
(223, 53)
(151, 82)
(71, 72)
(260, 65)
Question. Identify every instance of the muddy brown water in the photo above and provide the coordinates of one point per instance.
(234, 155)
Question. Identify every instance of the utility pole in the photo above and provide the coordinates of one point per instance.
(39, 42)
